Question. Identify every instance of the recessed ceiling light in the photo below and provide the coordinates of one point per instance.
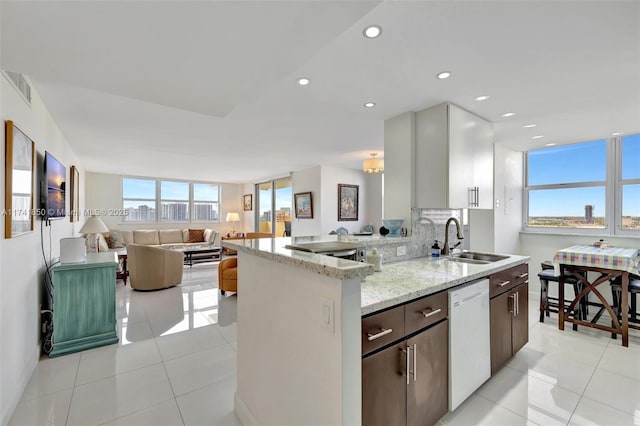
(537, 137)
(444, 74)
(303, 81)
(372, 31)
(616, 133)
(529, 126)
(550, 144)
(482, 98)
(508, 114)
(369, 104)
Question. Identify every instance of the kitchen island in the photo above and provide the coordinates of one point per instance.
(299, 326)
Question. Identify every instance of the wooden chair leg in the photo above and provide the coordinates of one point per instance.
(544, 301)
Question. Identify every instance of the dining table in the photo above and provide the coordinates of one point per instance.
(608, 263)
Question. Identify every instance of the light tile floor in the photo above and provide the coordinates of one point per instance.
(175, 364)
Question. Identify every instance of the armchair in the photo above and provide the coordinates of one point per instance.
(228, 268)
(228, 275)
(154, 268)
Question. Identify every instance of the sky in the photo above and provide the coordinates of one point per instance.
(585, 162)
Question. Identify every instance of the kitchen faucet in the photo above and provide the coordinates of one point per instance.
(445, 249)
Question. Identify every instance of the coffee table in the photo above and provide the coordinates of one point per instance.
(198, 254)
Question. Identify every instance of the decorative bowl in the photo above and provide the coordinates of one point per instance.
(394, 226)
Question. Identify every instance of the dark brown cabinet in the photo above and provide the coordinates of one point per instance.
(407, 383)
(509, 308)
(428, 390)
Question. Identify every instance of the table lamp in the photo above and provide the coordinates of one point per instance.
(233, 217)
(94, 225)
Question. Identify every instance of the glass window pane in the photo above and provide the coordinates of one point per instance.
(264, 200)
(174, 190)
(205, 192)
(583, 162)
(631, 207)
(139, 188)
(568, 207)
(139, 211)
(631, 157)
(205, 212)
(283, 207)
(174, 211)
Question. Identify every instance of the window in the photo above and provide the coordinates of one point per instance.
(205, 202)
(175, 201)
(139, 200)
(629, 185)
(274, 196)
(574, 187)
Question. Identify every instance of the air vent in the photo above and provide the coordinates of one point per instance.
(21, 84)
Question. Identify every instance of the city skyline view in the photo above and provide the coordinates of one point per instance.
(570, 166)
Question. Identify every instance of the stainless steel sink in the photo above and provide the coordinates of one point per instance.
(476, 257)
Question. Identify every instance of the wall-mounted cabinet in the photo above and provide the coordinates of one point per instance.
(453, 159)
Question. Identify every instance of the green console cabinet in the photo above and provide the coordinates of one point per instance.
(84, 304)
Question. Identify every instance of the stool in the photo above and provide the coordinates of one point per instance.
(550, 304)
(616, 293)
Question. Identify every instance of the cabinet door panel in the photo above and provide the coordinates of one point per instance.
(520, 330)
(462, 128)
(384, 387)
(427, 396)
(501, 314)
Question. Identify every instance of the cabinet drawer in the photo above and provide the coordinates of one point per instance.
(500, 282)
(426, 311)
(520, 274)
(381, 329)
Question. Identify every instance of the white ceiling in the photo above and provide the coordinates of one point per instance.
(206, 90)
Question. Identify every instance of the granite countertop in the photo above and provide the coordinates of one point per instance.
(403, 281)
(273, 249)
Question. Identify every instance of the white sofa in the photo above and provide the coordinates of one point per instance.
(171, 238)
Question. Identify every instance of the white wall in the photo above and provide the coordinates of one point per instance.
(22, 265)
(399, 148)
(322, 182)
(307, 180)
(374, 206)
(104, 192)
(331, 177)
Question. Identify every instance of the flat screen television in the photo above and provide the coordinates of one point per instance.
(53, 188)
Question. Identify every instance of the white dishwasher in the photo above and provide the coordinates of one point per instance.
(469, 340)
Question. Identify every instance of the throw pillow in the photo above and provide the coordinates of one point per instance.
(196, 235)
(116, 239)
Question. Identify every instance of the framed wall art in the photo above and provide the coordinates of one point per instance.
(304, 205)
(20, 154)
(75, 194)
(347, 202)
(247, 202)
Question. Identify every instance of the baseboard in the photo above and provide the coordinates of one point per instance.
(243, 412)
(14, 399)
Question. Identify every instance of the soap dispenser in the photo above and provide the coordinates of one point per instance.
(375, 259)
(435, 249)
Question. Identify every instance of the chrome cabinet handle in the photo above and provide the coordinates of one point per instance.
(524, 275)
(406, 353)
(503, 283)
(383, 332)
(513, 304)
(415, 362)
(432, 313)
(517, 304)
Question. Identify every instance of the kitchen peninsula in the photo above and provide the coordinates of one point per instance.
(299, 326)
